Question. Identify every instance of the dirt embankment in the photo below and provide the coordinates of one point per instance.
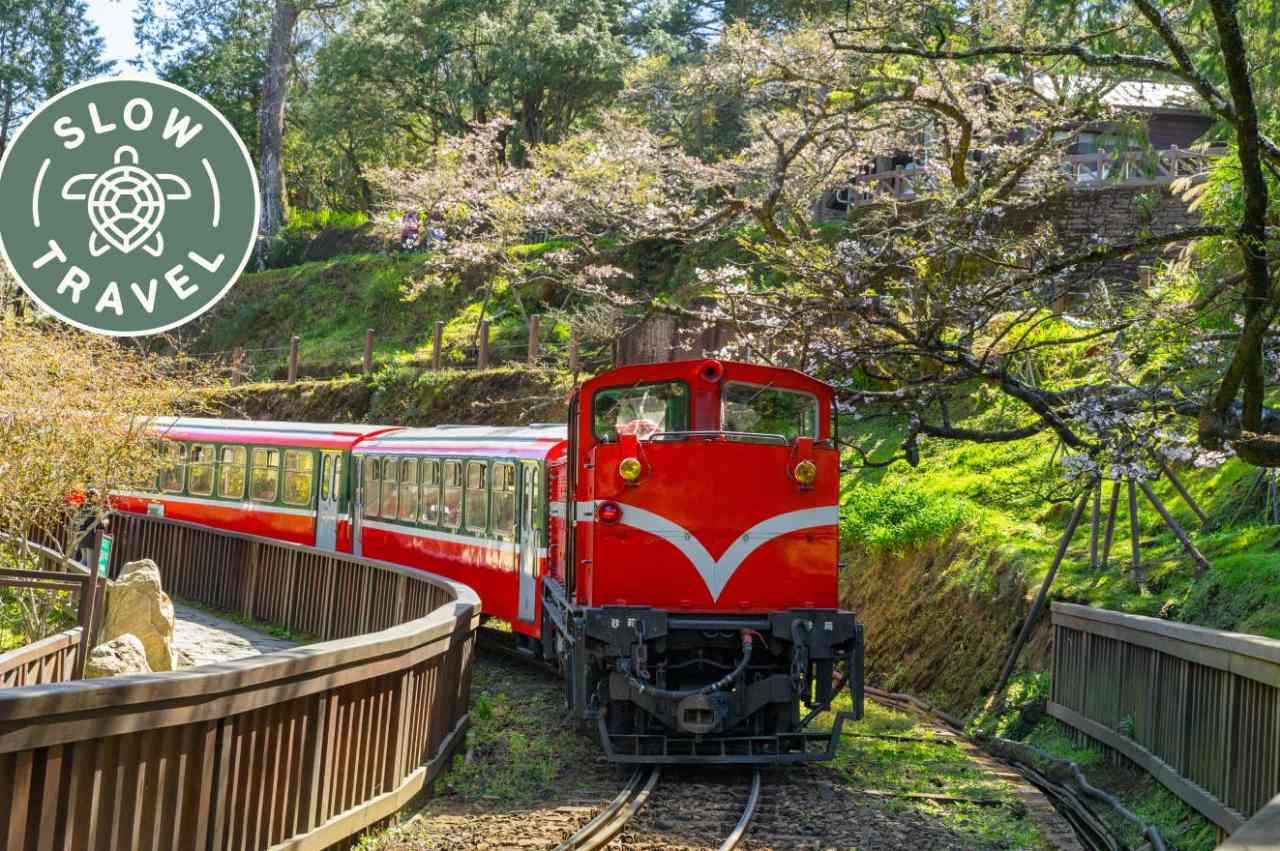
(402, 396)
(939, 620)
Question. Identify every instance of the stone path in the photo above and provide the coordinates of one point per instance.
(204, 638)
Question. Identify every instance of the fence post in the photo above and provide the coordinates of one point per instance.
(436, 355)
(573, 353)
(237, 359)
(534, 321)
(484, 344)
(293, 359)
(368, 351)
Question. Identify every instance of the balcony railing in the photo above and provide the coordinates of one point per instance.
(1083, 170)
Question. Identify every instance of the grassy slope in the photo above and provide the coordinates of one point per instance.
(331, 303)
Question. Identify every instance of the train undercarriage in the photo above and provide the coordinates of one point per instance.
(661, 687)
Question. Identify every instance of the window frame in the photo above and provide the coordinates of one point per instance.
(817, 408)
(212, 465)
(423, 465)
(221, 464)
(446, 465)
(414, 484)
(688, 404)
(495, 492)
(253, 465)
(371, 502)
(285, 472)
(467, 490)
(393, 462)
(181, 467)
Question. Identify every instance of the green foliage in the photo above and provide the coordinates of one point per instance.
(892, 518)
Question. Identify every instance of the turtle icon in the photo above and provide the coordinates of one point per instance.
(126, 204)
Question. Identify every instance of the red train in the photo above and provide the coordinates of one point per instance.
(673, 550)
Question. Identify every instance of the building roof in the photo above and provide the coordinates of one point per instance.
(1126, 94)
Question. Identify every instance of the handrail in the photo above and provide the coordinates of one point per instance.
(1085, 170)
(300, 748)
(1193, 706)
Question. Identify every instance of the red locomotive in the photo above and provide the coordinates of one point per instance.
(673, 551)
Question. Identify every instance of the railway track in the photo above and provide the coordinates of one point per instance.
(607, 826)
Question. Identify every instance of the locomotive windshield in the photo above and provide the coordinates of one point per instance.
(640, 409)
(752, 409)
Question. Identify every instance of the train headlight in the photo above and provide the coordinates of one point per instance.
(609, 512)
(805, 472)
(630, 469)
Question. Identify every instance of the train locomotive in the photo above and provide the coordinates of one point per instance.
(672, 550)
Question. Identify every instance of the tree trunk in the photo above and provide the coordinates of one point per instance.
(271, 122)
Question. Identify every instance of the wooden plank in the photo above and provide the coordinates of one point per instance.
(1260, 833)
(1191, 793)
(1240, 652)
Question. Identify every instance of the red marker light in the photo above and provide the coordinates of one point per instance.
(610, 512)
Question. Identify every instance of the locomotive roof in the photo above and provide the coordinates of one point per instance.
(534, 440)
(323, 435)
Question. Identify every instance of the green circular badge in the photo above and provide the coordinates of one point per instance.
(131, 206)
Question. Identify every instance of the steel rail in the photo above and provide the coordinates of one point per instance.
(748, 813)
(601, 830)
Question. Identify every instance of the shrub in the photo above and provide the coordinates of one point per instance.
(893, 517)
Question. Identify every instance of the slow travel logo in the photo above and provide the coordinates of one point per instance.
(130, 206)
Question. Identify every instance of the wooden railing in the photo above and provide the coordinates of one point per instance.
(1084, 170)
(57, 658)
(1197, 708)
(296, 749)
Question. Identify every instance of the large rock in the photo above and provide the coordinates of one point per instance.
(121, 655)
(138, 606)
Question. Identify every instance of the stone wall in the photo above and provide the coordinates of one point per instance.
(1084, 217)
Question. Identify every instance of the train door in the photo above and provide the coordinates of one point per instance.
(327, 503)
(530, 538)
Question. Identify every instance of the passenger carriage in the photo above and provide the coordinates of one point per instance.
(276, 479)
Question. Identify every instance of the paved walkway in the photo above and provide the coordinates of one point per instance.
(204, 638)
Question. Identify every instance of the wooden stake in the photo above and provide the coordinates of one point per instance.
(1038, 604)
(437, 356)
(293, 359)
(1202, 564)
(1111, 522)
(1093, 526)
(573, 356)
(484, 344)
(534, 322)
(1136, 556)
(1182, 492)
(368, 351)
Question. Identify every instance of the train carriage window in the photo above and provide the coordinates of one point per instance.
(756, 409)
(372, 470)
(264, 475)
(326, 476)
(299, 476)
(640, 409)
(476, 510)
(430, 498)
(451, 515)
(200, 470)
(503, 500)
(390, 488)
(174, 470)
(409, 490)
(231, 472)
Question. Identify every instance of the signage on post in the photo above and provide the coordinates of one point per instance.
(104, 555)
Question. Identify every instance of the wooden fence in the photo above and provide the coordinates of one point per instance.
(297, 749)
(1199, 709)
(1102, 168)
(58, 658)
